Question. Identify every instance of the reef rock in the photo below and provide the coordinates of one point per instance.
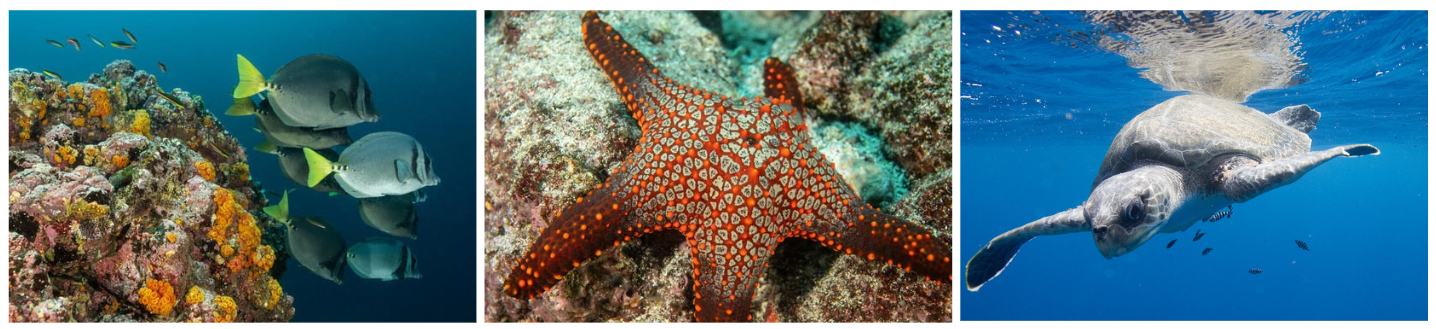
(126, 206)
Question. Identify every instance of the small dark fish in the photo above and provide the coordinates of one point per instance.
(1255, 271)
(75, 42)
(1219, 215)
(163, 69)
(131, 35)
(1199, 235)
(1204, 252)
(1169, 244)
(55, 43)
(53, 74)
(122, 45)
(1299, 244)
(97, 41)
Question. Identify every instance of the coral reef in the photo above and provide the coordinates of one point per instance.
(107, 220)
(542, 82)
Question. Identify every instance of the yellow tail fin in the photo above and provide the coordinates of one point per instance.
(242, 106)
(319, 167)
(281, 210)
(250, 80)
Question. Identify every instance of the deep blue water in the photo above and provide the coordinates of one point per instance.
(1365, 219)
(420, 66)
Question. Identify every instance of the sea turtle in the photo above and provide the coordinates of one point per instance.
(1172, 166)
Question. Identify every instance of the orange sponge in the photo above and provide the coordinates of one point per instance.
(158, 297)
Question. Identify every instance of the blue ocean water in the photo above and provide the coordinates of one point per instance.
(420, 66)
(1364, 219)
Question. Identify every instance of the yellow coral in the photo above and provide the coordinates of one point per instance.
(158, 297)
(205, 170)
(101, 99)
(120, 160)
(67, 154)
(225, 309)
(241, 171)
(226, 250)
(91, 153)
(170, 237)
(141, 125)
(264, 259)
(79, 122)
(275, 293)
(77, 90)
(223, 214)
(195, 295)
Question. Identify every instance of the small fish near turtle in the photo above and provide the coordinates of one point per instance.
(1199, 235)
(1302, 245)
(1206, 251)
(1172, 166)
(1255, 271)
(1169, 244)
(1219, 215)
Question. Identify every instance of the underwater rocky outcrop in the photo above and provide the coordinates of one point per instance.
(556, 129)
(130, 203)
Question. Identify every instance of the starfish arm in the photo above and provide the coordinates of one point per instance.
(581, 232)
(624, 65)
(880, 237)
(724, 277)
(779, 82)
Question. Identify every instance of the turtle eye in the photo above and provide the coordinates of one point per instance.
(1135, 213)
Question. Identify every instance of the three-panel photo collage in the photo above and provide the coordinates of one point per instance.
(828, 166)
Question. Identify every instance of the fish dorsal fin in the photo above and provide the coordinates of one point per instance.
(402, 170)
(281, 210)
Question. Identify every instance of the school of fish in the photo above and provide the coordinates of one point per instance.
(304, 110)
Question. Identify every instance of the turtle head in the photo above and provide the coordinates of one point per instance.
(1126, 210)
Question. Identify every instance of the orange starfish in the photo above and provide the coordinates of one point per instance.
(735, 177)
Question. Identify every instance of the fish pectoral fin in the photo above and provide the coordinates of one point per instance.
(419, 196)
(403, 171)
(340, 101)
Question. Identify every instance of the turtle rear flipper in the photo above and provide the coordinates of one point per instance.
(990, 261)
(1250, 181)
(1299, 117)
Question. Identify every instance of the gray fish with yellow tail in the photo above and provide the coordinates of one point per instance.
(122, 45)
(317, 245)
(393, 214)
(281, 135)
(97, 41)
(318, 91)
(383, 259)
(55, 43)
(379, 164)
(292, 163)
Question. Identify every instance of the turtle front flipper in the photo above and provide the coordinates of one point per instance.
(1299, 117)
(990, 261)
(1245, 183)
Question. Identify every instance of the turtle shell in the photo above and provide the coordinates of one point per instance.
(1188, 131)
